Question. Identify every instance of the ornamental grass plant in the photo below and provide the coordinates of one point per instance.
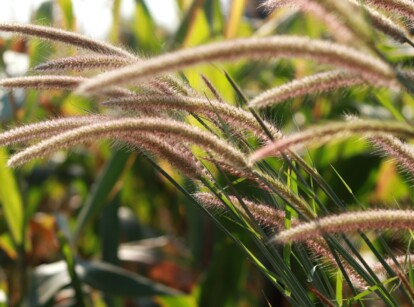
(265, 161)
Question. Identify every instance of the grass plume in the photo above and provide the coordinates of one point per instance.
(322, 134)
(57, 82)
(84, 62)
(234, 116)
(66, 37)
(343, 18)
(393, 147)
(110, 128)
(348, 222)
(180, 157)
(265, 215)
(402, 7)
(321, 82)
(46, 129)
(278, 46)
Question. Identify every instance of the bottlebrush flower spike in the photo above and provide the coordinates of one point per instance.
(265, 215)
(85, 62)
(403, 262)
(43, 82)
(333, 131)
(274, 219)
(234, 116)
(343, 18)
(46, 129)
(321, 82)
(166, 148)
(325, 52)
(111, 128)
(402, 7)
(396, 149)
(348, 222)
(57, 82)
(387, 25)
(323, 9)
(66, 37)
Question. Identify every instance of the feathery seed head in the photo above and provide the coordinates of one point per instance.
(348, 222)
(265, 215)
(57, 82)
(317, 83)
(110, 128)
(234, 116)
(85, 62)
(65, 37)
(278, 46)
(324, 133)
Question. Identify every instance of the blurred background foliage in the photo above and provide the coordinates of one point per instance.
(100, 226)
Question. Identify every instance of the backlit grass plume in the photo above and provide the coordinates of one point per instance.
(324, 52)
(111, 128)
(66, 37)
(233, 116)
(85, 62)
(349, 222)
(402, 153)
(333, 131)
(322, 82)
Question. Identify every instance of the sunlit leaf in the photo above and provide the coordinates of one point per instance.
(11, 200)
(67, 9)
(236, 13)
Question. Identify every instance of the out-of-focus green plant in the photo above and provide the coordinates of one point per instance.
(198, 168)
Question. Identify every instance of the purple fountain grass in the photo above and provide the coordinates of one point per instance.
(403, 263)
(57, 82)
(344, 19)
(274, 220)
(366, 65)
(265, 215)
(66, 37)
(393, 147)
(388, 26)
(271, 184)
(321, 252)
(324, 10)
(110, 129)
(180, 157)
(321, 82)
(45, 129)
(85, 62)
(43, 82)
(322, 134)
(233, 116)
(402, 7)
(348, 222)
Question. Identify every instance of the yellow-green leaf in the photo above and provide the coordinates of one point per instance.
(67, 9)
(236, 13)
(11, 200)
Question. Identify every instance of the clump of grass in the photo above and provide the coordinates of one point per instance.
(165, 118)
